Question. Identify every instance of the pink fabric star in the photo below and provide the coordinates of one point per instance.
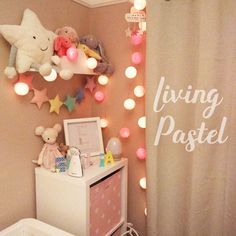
(90, 85)
(40, 96)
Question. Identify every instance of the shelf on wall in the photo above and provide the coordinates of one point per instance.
(77, 67)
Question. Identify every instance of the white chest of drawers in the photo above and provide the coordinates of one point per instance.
(94, 205)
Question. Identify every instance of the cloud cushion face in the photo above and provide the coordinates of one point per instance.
(33, 41)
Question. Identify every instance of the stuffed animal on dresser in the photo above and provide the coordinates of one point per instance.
(50, 149)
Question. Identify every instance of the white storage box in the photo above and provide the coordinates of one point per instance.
(32, 227)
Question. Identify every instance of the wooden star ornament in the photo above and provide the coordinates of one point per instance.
(55, 104)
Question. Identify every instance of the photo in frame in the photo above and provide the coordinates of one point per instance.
(85, 134)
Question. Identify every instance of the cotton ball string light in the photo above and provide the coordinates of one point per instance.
(99, 96)
(136, 39)
(104, 123)
(72, 54)
(136, 58)
(21, 88)
(142, 183)
(124, 132)
(139, 91)
(130, 72)
(139, 4)
(103, 80)
(142, 122)
(145, 211)
(141, 153)
(91, 63)
(52, 76)
(129, 104)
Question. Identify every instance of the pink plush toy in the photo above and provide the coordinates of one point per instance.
(50, 149)
(61, 44)
(70, 33)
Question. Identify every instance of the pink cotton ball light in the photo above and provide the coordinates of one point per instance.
(72, 54)
(136, 39)
(141, 153)
(99, 96)
(136, 58)
(124, 132)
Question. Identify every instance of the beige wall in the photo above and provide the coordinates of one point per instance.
(19, 118)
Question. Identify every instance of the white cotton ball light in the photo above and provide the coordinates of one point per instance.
(139, 91)
(145, 211)
(139, 4)
(91, 63)
(129, 104)
(103, 80)
(142, 183)
(21, 88)
(130, 72)
(104, 123)
(142, 122)
(52, 76)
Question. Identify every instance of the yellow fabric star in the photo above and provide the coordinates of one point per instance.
(55, 104)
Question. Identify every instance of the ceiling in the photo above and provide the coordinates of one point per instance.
(98, 3)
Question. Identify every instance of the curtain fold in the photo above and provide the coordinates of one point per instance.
(192, 43)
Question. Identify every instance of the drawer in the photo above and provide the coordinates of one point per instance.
(105, 204)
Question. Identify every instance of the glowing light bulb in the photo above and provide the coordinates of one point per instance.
(124, 132)
(52, 76)
(136, 58)
(139, 4)
(129, 104)
(104, 123)
(21, 88)
(99, 96)
(136, 39)
(72, 54)
(139, 91)
(142, 122)
(142, 183)
(142, 26)
(130, 72)
(103, 80)
(145, 211)
(141, 153)
(91, 63)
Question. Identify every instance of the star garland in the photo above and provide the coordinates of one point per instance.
(40, 96)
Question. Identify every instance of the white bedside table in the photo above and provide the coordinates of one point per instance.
(95, 204)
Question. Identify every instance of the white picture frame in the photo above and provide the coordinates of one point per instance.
(85, 134)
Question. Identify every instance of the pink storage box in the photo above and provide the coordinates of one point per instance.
(105, 205)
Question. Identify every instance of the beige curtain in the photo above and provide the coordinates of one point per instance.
(192, 43)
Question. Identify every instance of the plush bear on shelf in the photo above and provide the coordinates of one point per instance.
(50, 149)
(95, 45)
(69, 33)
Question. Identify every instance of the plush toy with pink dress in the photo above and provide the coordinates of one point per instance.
(50, 149)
